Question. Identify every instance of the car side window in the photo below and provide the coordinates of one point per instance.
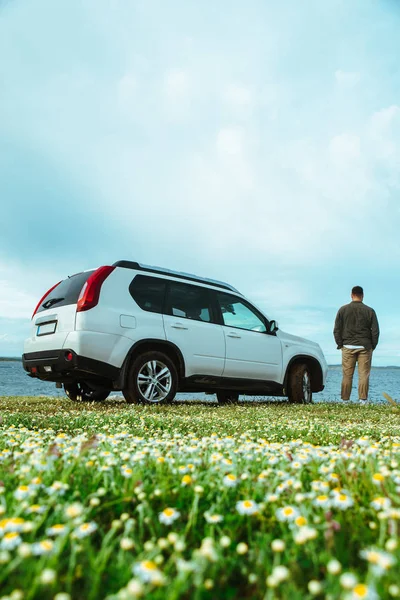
(148, 292)
(188, 302)
(236, 313)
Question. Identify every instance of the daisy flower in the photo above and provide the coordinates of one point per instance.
(213, 518)
(271, 498)
(168, 516)
(127, 472)
(55, 530)
(300, 521)
(74, 510)
(57, 488)
(10, 541)
(381, 561)
(287, 513)
(342, 501)
(148, 572)
(36, 509)
(378, 478)
(42, 548)
(85, 529)
(247, 507)
(13, 524)
(22, 492)
(230, 480)
(304, 534)
(381, 503)
(361, 591)
(322, 500)
(207, 550)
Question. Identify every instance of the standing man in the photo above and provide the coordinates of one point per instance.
(356, 334)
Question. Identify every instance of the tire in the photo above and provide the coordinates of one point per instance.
(80, 391)
(152, 379)
(300, 384)
(226, 397)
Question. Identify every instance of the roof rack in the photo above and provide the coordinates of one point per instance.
(128, 264)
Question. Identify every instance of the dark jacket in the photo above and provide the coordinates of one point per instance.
(356, 325)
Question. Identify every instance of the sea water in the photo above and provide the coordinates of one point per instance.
(14, 381)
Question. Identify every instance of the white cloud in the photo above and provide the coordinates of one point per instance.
(238, 100)
(230, 142)
(177, 93)
(344, 148)
(384, 130)
(15, 303)
(383, 119)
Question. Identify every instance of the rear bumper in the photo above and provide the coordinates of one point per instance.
(53, 365)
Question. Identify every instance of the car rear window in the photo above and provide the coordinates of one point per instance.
(66, 292)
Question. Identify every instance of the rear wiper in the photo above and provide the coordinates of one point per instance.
(52, 301)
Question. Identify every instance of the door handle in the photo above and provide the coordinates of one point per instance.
(179, 326)
(233, 335)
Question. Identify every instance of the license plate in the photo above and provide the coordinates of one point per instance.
(46, 328)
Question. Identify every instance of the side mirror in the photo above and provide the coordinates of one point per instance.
(273, 326)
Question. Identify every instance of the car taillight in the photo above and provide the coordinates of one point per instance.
(89, 296)
(45, 296)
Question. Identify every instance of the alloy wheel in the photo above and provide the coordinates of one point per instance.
(154, 381)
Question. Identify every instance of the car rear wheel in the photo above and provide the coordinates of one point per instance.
(226, 397)
(300, 391)
(80, 391)
(152, 379)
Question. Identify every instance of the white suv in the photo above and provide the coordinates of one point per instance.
(152, 332)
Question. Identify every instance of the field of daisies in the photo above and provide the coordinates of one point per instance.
(198, 501)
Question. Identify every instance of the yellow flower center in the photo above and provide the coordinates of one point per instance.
(360, 590)
(247, 503)
(149, 565)
(373, 557)
(46, 545)
(288, 511)
(168, 512)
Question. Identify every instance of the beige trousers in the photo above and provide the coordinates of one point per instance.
(349, 359)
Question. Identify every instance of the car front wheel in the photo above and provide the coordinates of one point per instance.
(152, 379)
(300, 391)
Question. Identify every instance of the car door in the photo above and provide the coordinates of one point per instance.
(251, 352)
(188, 322)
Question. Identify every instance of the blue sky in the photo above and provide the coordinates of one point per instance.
(254, 142)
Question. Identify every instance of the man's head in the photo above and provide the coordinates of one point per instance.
(357, 293)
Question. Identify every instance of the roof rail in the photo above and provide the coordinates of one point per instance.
(128, 264)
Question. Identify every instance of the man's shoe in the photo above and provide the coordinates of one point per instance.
(363, 402)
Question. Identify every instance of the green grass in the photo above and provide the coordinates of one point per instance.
(107, 472)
